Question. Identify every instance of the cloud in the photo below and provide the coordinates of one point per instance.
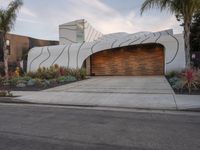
(25, 11)
(28, 21)
(4, 3)
(153, 22)
(49, 14)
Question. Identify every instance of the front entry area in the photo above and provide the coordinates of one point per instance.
(140, 60)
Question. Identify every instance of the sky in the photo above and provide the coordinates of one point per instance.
(41, 18)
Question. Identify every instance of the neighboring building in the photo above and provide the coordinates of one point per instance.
(143, 53)
(20, 45)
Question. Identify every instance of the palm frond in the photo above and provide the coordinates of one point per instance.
(184, 8)
(8, 16)
(149, 4)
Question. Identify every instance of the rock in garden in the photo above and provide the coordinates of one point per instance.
(21, 85)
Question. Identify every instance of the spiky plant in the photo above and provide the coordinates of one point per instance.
(190, 78)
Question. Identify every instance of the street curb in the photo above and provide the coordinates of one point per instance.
(12, 100)
(15, 101)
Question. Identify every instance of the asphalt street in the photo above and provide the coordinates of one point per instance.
(27, 127)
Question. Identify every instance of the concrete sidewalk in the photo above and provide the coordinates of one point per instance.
(123, 92)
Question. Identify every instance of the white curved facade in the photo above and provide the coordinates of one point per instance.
(77, 32)
(73, 55)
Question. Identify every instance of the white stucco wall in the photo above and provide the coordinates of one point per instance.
(90, 33)
(73, 55)
(174, 53)
(68, 32)
(77, 32)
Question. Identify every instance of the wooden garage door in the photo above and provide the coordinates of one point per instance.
(129, 61)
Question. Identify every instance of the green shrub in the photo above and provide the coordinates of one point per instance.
(21, 85)
(78, 73)
(25, 78)
(41, 73)
(38, 82)
(64, 71)
(17, 80)
(6, 83)
(173, 80)
(2, 79)
(83, 73)
(13, 81)
(53, 81)
(178, 85)
(45, 73)
(46, 83)
(61, 79)
(55, 72)
(31, 74)
(31, 82)
(172, 74)
(44, 77)
(64, 79)
(21, 81)
(70, 78)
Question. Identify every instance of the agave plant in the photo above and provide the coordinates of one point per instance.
(190, 78)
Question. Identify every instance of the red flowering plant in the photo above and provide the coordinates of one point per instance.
(190, 78)
(62, 71)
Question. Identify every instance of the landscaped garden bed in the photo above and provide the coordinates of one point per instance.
(185, 82)
(41, 79)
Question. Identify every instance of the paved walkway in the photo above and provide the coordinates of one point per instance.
(129, 92)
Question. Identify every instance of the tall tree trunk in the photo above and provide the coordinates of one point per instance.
(187, 42)
(5, 55)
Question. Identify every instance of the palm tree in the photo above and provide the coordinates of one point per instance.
(7, 20)
(183, 9)
(195, 33)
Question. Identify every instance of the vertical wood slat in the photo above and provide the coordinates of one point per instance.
(128, 62)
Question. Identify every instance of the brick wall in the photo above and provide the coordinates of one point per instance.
(21, 44)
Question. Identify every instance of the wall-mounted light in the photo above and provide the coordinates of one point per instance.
(7, 42)
(193, 56)
(8, 46)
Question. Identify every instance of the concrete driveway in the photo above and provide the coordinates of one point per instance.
(149, 92)
(119, 84)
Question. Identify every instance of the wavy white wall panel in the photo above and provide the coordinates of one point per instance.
(68, 33)
(77, 32)
(91, 33)
(73, 55)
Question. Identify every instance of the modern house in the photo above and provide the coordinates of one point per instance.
(143, 53)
